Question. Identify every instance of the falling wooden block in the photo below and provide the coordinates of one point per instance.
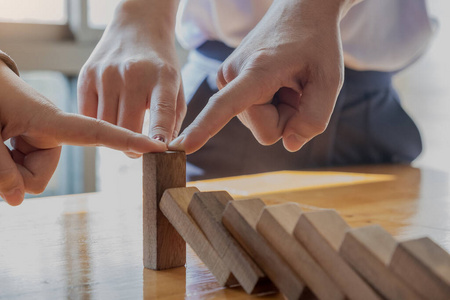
(163, 246)
(174, 204)
(276, 225)
(322, 233)
(369, 250)
(207, 209)
(424, 266)
(240, 218)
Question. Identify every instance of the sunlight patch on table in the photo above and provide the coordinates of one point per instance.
(283, 181)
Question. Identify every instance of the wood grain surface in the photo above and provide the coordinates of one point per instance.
(89, 246)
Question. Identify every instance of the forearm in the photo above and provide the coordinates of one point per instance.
(319, 9)
(155, 17)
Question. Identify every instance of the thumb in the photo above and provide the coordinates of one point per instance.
(11, 182)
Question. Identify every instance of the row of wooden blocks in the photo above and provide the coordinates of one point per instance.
(264, 248)
(255, 245)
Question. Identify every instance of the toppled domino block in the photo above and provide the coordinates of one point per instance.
(163, 246)
(174, 204)
(276, 225)
(240, 218)
(206, 209)
(369, 250)
(322, 233)
(424, 266)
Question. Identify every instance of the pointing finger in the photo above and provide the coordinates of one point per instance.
(244, 91)
(79, 130)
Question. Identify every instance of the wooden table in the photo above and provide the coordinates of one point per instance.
(89, 246)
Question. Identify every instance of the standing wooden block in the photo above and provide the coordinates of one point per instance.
(240, 218)
(322, 233)
(174, 204)
(276, 225)
(369, 250)
(207, 209)
(424, 266)
(163, 246)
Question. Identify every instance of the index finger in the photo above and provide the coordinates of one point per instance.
(84, 131)
(230, 101)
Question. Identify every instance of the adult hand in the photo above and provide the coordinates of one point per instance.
(283, 79)
(134, 67)
(37, 129)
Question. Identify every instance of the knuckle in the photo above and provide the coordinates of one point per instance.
(226, 74)
(220, 80)
(108, 73)
(87, 76)
(169, 71)
(36, 187)
(163, 108)
(98, 126)
(158, 128)
(266, 139)
(133, 69)
(261, 62)
(316, 127)
(88, 71)
(261, 58)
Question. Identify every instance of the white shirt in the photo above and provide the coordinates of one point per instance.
(381, 35)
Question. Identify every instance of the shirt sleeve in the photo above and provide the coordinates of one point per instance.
(9, 62)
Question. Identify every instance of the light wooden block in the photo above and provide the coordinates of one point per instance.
(276, 225)
(240, 218)
(369, 250)
(163, 246)
(322, 233)
(207, 209)
(425, 266)
(174, 204)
